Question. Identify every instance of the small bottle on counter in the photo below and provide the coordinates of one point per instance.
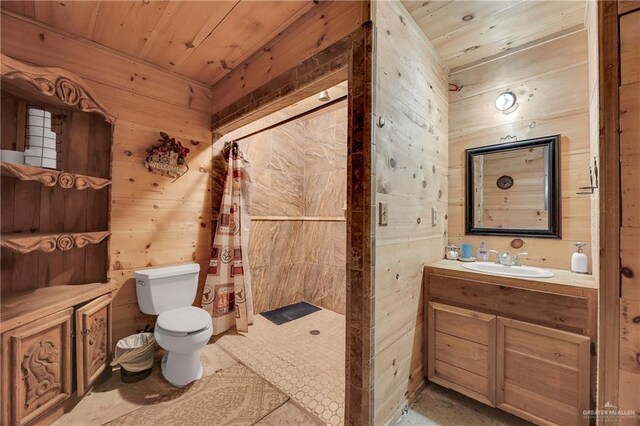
(579, 260)
(483, 252)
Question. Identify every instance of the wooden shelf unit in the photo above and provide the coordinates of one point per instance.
(48, 242)
(50, 177)
(54, 240)
(55, 223)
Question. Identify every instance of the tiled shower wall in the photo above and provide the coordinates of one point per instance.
(325, 197)
(298, 232)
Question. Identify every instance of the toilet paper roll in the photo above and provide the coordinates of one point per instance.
(40, 162)
(39, 112)
(34, 121)
(40, 152)
(38, 131)
(10, 156)
(39, 141)
(49, 163)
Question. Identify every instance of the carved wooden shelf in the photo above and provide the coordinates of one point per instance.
(55, 84)
(23, 307)
(49, 177)
(28, 242)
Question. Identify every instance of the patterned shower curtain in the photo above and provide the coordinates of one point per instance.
(227, 292)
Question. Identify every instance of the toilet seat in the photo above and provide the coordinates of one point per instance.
(183, 321)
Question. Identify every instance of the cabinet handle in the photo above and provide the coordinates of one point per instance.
(86, 332)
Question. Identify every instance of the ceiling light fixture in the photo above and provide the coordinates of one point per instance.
(505, 101)
(324, 96)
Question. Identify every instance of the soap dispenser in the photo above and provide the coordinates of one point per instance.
(579, 260)
(483, 252)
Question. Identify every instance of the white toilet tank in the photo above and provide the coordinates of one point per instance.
(170, 287)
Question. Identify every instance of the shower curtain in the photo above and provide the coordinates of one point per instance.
(227, 292)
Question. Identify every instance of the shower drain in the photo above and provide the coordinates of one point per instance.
(314, 332)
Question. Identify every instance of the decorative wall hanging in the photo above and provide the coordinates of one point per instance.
(168, 158)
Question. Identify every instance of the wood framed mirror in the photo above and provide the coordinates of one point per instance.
(513, 189)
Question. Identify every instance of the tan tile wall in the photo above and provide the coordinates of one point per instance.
(275, 255)
(299, 170)
(325, 166)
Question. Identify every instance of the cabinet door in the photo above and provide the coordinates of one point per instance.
(461, 351)
(93, 341)
(36, 365)
(542, 373)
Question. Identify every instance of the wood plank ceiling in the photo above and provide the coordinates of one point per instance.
(202, 40)
(468, 32)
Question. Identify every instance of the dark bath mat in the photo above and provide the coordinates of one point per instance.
(290, 312)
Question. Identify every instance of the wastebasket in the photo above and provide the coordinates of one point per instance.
(135, 355)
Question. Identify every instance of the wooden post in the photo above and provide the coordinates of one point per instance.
(609, 301)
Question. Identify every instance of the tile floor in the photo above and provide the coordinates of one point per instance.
(308, 368)
(436, 405)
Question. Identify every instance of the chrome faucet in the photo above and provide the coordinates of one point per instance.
(516, 259)
(502, 258)
(505, 258)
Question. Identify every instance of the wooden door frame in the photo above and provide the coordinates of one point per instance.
(609, 187)
(348, 59)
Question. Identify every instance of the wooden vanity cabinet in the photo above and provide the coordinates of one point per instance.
(519, 345)
(462, 351)
(542, 373)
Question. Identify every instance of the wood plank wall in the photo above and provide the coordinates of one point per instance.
(154, 220)
(318, 29)
(591, 24)
(629, 378)
(550, 81)
(518, 205)
(411, 178)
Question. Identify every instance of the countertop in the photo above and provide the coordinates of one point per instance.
(26, 306)
(561, 277)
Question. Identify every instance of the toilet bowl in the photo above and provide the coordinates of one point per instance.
(181, 330)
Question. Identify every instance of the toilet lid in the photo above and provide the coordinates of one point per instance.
(184, 320)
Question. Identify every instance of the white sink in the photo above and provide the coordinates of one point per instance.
(509, 271)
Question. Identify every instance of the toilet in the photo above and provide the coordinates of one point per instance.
(181, 329)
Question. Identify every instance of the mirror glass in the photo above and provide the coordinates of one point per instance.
(513, 189)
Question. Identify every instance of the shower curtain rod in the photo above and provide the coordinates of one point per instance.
(293, 118)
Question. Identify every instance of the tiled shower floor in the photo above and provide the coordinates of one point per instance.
(309, 368)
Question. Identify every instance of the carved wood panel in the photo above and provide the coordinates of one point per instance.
(26, 243)
(49, 177)
(36, 368)
(93, 343)
(60, 85)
